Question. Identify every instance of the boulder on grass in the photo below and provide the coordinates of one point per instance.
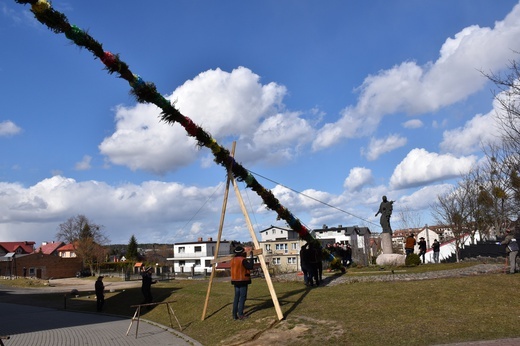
(391, 259)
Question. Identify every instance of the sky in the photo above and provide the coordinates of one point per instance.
(331, 104)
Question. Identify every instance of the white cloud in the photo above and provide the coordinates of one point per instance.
(481, 129)
(8, 128)
(378, 147)
(420, 167)
(228, 106)
(478, 131)
(357, 178)
(420, 89)
(84, 164)
(141, 141)
(423, 198)
(413, 124)
(151, 209)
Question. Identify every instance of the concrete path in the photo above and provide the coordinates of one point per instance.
(31, 325)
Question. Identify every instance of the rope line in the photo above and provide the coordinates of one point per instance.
(315, 199)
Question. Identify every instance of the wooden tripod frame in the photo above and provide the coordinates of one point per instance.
(258, 251)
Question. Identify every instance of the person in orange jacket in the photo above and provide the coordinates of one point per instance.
(409, 245)
(240, 278)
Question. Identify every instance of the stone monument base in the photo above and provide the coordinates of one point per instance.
(390, 259)
(386, 243)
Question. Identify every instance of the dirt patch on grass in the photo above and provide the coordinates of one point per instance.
(297, 330)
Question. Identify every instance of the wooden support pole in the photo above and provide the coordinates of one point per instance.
(261, 256)
(221, 226)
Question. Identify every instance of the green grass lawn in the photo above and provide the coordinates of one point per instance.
(423, 312)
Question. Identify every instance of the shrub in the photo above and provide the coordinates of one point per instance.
(412, 260)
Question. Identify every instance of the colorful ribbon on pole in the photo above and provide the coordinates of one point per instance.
(146, 92)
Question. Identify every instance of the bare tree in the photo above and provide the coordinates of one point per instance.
(508, 98)
(86, 237)
(409, 218)
(452, 211)
(508, 121)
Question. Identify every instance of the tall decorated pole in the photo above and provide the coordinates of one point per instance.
(146, 92)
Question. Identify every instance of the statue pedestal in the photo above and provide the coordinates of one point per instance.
(386, 243)
(391, 259)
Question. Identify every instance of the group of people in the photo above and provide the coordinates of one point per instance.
(146, 288)
(410, 243)
(311, 264)
(342, 251)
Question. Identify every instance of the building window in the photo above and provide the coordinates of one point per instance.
(282, 247)
(197, 262)
(294, 246)
(182, 263)
(181, 249)
(267, 247)
(274, 231)
(198, 248)
(207, 263)
(276, 260)
(291, 260)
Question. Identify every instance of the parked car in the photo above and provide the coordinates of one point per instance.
(83, 273)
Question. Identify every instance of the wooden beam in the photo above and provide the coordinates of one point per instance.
(260, 257)
(219, 236)
(256, 252)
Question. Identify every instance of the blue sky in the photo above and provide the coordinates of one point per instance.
(343, 101)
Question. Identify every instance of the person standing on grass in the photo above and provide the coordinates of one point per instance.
(314, 261)
(436, 247)
(422, 249)
(146, 287)
(348, 252)
(100, 293)
(511, 250)
(409, 244)
(304, 262)
(240, 278)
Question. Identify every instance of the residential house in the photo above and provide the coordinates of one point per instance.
(196, 257)
(67, 251)
(281, 249)
(50, 248)
(45, 266)
(16, 247)
(21, 259)
(274, 232)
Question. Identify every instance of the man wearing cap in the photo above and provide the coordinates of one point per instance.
(511, 250)
(146, 286)
(422, 248)
(240, 278)
(100, 293)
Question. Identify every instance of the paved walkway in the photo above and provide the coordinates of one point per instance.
(31, 325)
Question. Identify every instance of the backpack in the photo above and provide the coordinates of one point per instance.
(513, 245)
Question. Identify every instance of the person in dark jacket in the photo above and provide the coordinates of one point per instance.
(422, 249)
(314, 260)
(436, 247)
(511, 250)
(240, 278)
(146, 287)
(304, 262)
(100, 293)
